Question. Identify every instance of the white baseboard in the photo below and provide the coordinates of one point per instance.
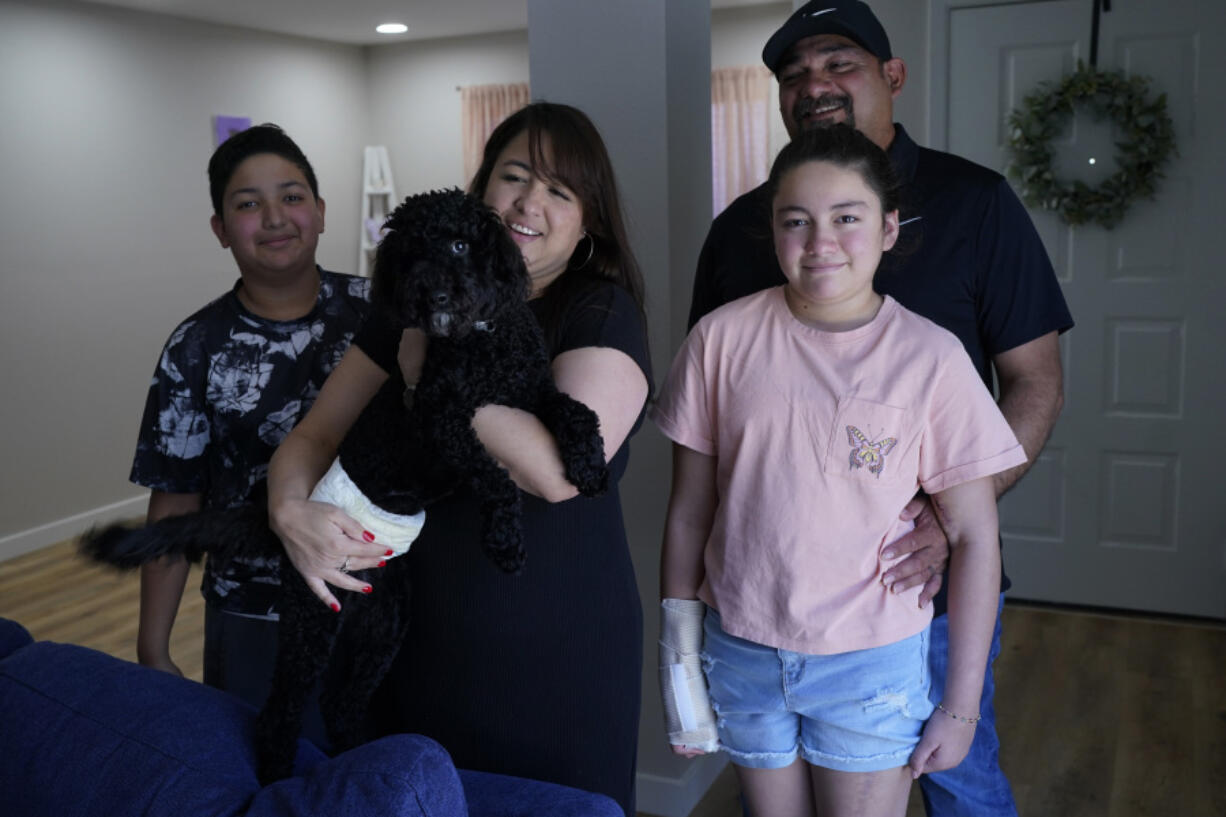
(677, 796)
(28, 540)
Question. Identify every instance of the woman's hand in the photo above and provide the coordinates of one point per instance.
(318, 537)
(325, 545)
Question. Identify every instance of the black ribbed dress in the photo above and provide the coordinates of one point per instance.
(536, 675)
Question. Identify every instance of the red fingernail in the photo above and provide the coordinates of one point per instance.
(336, 608)
(381, 564)
(389, 553)
(367, 589)
(368, 536)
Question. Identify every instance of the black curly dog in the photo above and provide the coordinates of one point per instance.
(446, 266)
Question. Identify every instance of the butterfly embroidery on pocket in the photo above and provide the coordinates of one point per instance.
(868, 454)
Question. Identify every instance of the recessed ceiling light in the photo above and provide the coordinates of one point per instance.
(392, 28)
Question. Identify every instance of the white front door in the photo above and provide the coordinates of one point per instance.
(1124, 508)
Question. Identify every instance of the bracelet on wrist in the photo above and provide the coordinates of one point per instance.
(959, 718)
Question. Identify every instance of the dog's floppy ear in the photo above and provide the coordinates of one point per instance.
(384, 273)
(507, 262)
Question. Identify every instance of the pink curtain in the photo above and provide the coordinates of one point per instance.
(739, 127)
(482, 108)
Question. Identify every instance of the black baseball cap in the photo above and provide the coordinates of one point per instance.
(849, 18)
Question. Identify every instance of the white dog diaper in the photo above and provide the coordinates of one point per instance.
(394, 530)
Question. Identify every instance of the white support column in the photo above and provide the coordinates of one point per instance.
(641, 69)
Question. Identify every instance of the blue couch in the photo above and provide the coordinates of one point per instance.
(84, 733)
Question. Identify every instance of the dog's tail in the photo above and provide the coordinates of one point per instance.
(241, 531)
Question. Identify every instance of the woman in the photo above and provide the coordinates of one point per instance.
(536, 675)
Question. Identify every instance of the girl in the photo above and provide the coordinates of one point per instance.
(536, 675)
(804, 419)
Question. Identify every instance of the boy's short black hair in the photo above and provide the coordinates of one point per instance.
(266, 138)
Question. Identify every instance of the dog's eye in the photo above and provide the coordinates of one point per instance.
(459, 247)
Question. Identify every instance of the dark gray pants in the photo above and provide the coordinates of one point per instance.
(239, 655)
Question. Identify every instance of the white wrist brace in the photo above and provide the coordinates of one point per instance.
(688, 716)
(394, 530)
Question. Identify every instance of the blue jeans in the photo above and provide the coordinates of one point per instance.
(976, 787)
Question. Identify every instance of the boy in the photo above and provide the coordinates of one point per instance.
(232, 380)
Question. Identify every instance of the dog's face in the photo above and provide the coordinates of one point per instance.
(446, 265)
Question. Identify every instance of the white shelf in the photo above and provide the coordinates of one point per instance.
(378, 201)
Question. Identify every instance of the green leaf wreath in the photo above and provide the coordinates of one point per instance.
(1148, 140)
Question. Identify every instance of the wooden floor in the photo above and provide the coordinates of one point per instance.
(1100, 715)
(59, 596)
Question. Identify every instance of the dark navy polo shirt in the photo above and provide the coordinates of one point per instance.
(968, 257)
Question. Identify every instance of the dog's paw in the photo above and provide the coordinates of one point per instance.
(576, 428)
(504, 543)
(590, 477)
(584, 462)
(510, 562)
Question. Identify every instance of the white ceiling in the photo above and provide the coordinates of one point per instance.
(354, 21)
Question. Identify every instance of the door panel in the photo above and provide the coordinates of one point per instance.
(1122, 507)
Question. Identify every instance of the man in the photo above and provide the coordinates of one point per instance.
(967, 258)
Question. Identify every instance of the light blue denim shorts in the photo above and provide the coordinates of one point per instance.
(860, 711)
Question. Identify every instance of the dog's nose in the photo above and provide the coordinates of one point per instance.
(439, 299)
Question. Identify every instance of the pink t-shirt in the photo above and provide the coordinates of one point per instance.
(821, 439)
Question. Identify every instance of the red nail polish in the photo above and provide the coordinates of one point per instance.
(389, 553)
(368, 536)
(367, 589)
(336, 608)
(381, 564)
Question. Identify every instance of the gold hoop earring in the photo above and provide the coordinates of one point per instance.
(591, 250)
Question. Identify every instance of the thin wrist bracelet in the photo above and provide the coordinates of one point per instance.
(971, 721)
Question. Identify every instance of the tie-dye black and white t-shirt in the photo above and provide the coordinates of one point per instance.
(228, 387)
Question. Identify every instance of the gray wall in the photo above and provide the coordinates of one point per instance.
(104, 236)
(415, 101)
(906, 22)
